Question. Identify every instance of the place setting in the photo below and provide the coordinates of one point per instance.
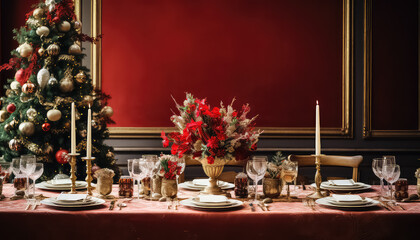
(65, 200)
(343, 185)
(212, 202)
(201, 184)
(347, 201)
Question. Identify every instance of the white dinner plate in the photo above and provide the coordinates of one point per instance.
(44, 186)
(196, 201)
(350, 188)
(330, 202)
(190, 186)
(190, 203)
(51, 202)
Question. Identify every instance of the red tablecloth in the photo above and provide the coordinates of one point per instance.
(143, 219)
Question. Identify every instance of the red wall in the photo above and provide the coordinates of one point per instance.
(280, 56)
(12, 15)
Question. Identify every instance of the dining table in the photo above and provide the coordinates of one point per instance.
(145, 219)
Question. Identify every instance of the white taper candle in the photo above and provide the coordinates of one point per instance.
(317, 131)
(89, 135)
(73, 129)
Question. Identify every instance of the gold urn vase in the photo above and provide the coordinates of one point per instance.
(213, 171)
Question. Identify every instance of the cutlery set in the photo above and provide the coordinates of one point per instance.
(32, 204)
(263, 206)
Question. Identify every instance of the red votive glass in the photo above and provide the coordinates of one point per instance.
(126, 187)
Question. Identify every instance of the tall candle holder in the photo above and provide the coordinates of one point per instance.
(318, 179)
(73, 159)
(89, 173)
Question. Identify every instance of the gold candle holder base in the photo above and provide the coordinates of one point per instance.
(318, 179)
(89, 173)
(73, 159)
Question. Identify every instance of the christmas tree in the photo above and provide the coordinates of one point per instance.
(36, 111)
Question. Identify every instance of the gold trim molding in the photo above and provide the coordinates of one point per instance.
(368, 131)
(345, 131)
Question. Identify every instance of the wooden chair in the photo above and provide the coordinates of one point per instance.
(227, 176)
(337, 161)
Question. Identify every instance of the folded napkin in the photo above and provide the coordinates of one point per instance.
(347, 198)
(212, 198)
(201, 182)
(66, 181)
(344, 182)
(71, 197)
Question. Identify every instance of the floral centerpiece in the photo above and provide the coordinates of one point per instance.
(212, 135)
(169, 170)
(272, 184)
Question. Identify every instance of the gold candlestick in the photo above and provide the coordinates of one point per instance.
(89, 173)
(73, 159)
(318, 179)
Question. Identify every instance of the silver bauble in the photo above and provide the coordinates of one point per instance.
(38, 13)
(15, 85)
(43, 76)
(53, 49)
(25, 50)
(3, 115)
(75, 49)
(107, 111)
(27, 128)
(31, 113)
(64, 26)
(15, 144)
(52, 81)
(42, 31)
(66, 85)
(54, 115)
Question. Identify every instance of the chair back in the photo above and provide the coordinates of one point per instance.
(330, 160)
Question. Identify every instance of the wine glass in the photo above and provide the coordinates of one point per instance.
(377, 167)
(255, 169)
(130, 171)
(389, 160)
(289, 174)
(180, 163)
(392, 174)
(16, 167)
(27, 167)
(39, 170)
(5, 169)
(152, 166)
(137, 173)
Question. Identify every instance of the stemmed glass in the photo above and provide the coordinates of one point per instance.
(255, 169)
(137, 173)
(27, 166)
(289, 174)
(389, 160)
(377, 167)
(153, 167)
(130, 171)
(180, 163)
(392, 173)
(39, 170)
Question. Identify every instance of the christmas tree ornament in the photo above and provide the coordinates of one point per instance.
(27, 128)
(66, 84)
(15, 86)
(62, 156)
(33, 147)
(25, 50)
(52, 81)
(75, 49)
(3, 115)
(38, 13)
(77, 25)
(87, 100)
(80, 77)
(15, 144)
(19, 77)
(41, 51)
(46, 127)
(7, 127)
(43, 76)
(42, 31)
(28, 88)
(107, 111)
(83, 133)
(31, 113)
(50, 4)
(110, 154)
(54, 115)
(33, 22)
(64, 26)
(53, 49)
(11, 108)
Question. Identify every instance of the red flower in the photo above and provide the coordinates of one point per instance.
(234, 114)
(192, 126)
(210, 160)
(213, 142)
(165, 140)
(253, 147)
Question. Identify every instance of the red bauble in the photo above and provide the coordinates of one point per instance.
(62, 156)
(19, 77)
(46, 127)
(11, 108)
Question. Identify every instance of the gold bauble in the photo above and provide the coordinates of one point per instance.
(75, 49)
(88, 100)
(3, 115)
(54, 115)
(15, 144)
(25, 50)
(28, 88)
(31, 113)
(7, 127)
(53, 49)
(64, 26)
(77, 25)
(107, 111)
(80, 77)
(42, 31)
(66, 85)
(110, 154)
(41, 51)
(38, 13)
(34, 148)
(27, 128)
(15, 86)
